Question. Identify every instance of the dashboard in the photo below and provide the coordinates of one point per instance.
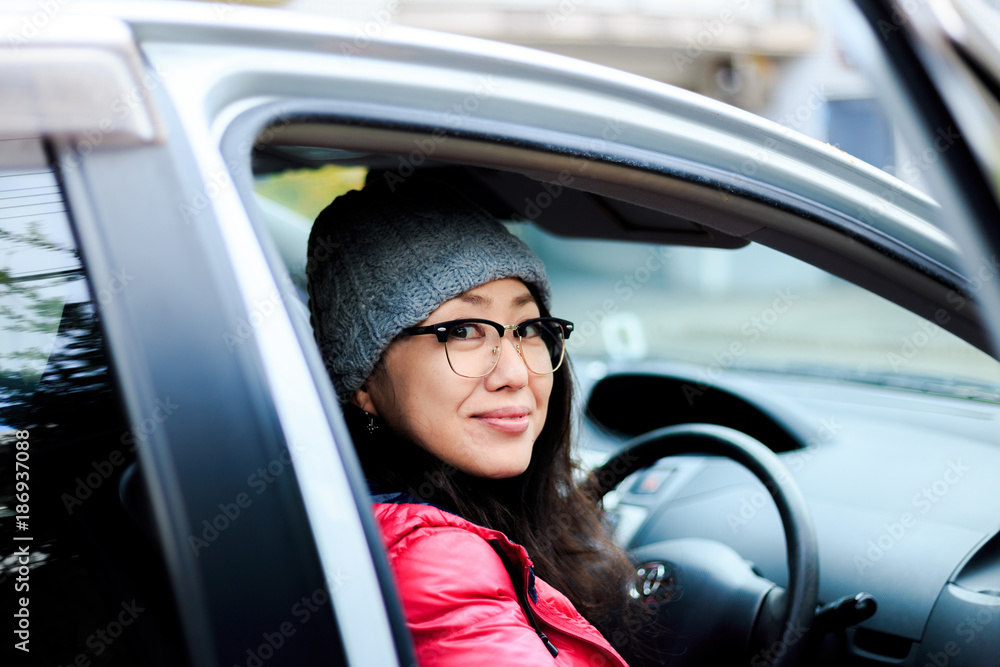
(900, 485)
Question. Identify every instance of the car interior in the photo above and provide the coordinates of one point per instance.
(786, 387)
(882, 459)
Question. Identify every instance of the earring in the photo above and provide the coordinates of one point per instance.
(372, 426)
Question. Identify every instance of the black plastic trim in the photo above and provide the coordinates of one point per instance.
(630, 404)
(165, 330)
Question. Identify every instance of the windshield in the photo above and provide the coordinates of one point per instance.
(752, 308)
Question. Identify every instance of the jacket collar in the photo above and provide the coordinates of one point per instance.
(400, 518)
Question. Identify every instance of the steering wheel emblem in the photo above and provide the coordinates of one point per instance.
(655, 581)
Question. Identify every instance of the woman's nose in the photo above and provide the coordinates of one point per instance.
(510, 371)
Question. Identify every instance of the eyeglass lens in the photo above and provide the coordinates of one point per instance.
(473, 348)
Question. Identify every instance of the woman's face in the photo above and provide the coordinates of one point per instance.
(483, 426)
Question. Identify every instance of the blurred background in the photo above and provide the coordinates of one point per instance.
(772, 57)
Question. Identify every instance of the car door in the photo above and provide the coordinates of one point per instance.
(247, 484)
(162, 469)
(576, 151)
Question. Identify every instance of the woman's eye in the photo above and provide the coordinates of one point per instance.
(532, 330)
(466, 331)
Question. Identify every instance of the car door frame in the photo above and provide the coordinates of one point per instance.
(243, 588)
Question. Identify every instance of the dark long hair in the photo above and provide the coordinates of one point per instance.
(557, 520)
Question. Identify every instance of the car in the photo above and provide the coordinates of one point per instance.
(785, 358)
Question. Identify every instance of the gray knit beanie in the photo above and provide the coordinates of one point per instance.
(382, 259)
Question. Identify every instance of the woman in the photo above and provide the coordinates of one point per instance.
(434, 324)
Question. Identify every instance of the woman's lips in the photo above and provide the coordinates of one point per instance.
(507, 420)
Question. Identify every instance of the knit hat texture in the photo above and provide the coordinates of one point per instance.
(382, 259)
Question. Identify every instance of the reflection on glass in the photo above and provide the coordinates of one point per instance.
(55, 385)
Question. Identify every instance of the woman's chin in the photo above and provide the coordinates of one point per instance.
(498, 469)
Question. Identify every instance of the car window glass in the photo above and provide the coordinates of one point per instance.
(89, 586)
(753, 308)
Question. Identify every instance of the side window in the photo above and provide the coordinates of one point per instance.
(82, 579)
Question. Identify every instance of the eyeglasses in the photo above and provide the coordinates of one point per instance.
(473, 346)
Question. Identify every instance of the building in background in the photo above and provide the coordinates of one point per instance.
(772, 57)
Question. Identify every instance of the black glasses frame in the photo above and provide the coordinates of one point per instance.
(441, 328)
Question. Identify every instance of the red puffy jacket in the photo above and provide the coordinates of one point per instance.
(460, 602)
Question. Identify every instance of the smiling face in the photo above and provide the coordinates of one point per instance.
(485, 426)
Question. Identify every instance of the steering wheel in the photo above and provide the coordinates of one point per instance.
(724, 612)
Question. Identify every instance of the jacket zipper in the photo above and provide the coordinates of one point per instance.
(584, 639)
(522, 596)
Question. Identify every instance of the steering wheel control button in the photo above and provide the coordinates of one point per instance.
(651, 482)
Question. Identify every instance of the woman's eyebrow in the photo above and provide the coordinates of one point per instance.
(485, 301)
(524, 299)
(476, 300)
